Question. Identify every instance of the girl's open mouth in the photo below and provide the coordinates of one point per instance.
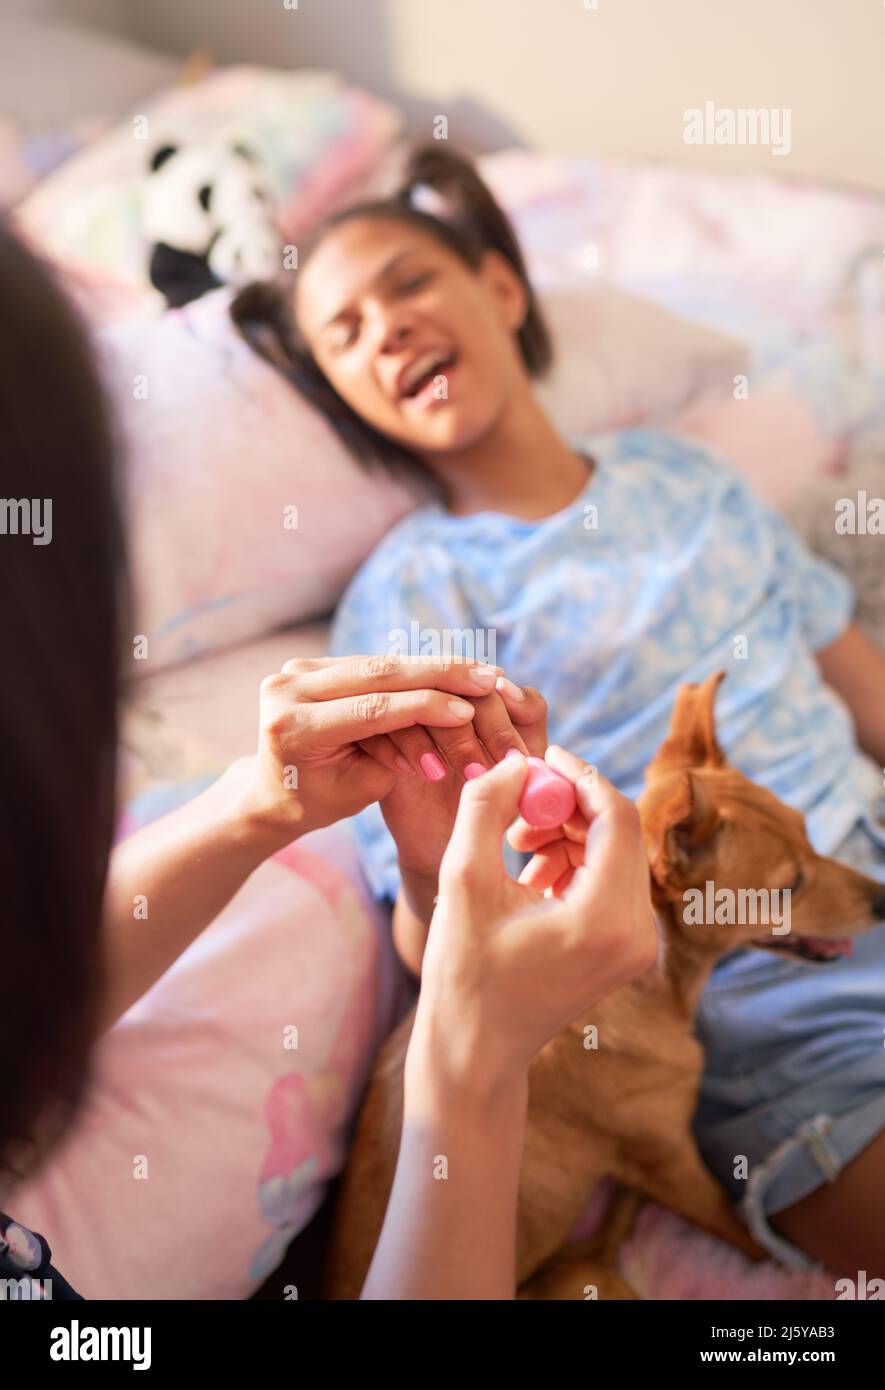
(428, 381)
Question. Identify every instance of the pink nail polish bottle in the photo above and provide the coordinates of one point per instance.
(547, 798)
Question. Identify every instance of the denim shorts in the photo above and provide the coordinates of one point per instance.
(794, 1079)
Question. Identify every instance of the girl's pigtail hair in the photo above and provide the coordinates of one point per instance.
(446, 187)
(261, 315)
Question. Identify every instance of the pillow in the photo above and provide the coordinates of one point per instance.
(219, 446)
(245, 511)
(756, 252)
(620, 360)
(313, 134)
(208, 1138)
(771, 436)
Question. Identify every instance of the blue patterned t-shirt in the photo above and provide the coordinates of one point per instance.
(665, 568)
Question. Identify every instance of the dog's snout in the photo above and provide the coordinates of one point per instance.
(878, 904)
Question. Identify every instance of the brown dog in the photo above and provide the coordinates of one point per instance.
(623, 1105)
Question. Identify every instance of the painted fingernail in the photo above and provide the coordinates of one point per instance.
(461, 708)
(402, 763)
(473, 770)
(432, 767)
(513, 753)
(507, 687)
(484, 675)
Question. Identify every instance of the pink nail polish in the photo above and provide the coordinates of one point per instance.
(547, 798)
(432, 767)
(402, 763)
(473, 770)
(513, 753)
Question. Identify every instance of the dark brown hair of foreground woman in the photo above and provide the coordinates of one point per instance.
(62, 624)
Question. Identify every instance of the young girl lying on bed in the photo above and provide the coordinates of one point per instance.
(609, 570)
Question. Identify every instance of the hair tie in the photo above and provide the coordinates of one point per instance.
(423, 197)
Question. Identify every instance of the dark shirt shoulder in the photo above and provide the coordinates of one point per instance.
(26, 1268)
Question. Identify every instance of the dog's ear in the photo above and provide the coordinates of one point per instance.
(680, 828)
(691, 741)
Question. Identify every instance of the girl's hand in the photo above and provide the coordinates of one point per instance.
(420, 808)
(504, 970)
(324, 744)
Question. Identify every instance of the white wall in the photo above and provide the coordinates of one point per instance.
(555, 74)
(111, 14)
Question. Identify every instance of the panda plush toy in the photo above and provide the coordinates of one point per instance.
(208, 217)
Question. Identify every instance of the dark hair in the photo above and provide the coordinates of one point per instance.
(64, 612)
(471, 225)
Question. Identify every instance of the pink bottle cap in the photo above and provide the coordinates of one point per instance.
(547, 798)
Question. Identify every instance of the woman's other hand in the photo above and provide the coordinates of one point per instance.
(506, 970)
(557, 852)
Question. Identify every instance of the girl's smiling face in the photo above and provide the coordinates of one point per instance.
(421, 345)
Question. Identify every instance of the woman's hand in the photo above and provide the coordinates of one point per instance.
(506, 970)
(558, 852)
(327, 725)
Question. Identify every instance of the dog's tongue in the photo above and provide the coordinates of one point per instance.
(828, 946)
